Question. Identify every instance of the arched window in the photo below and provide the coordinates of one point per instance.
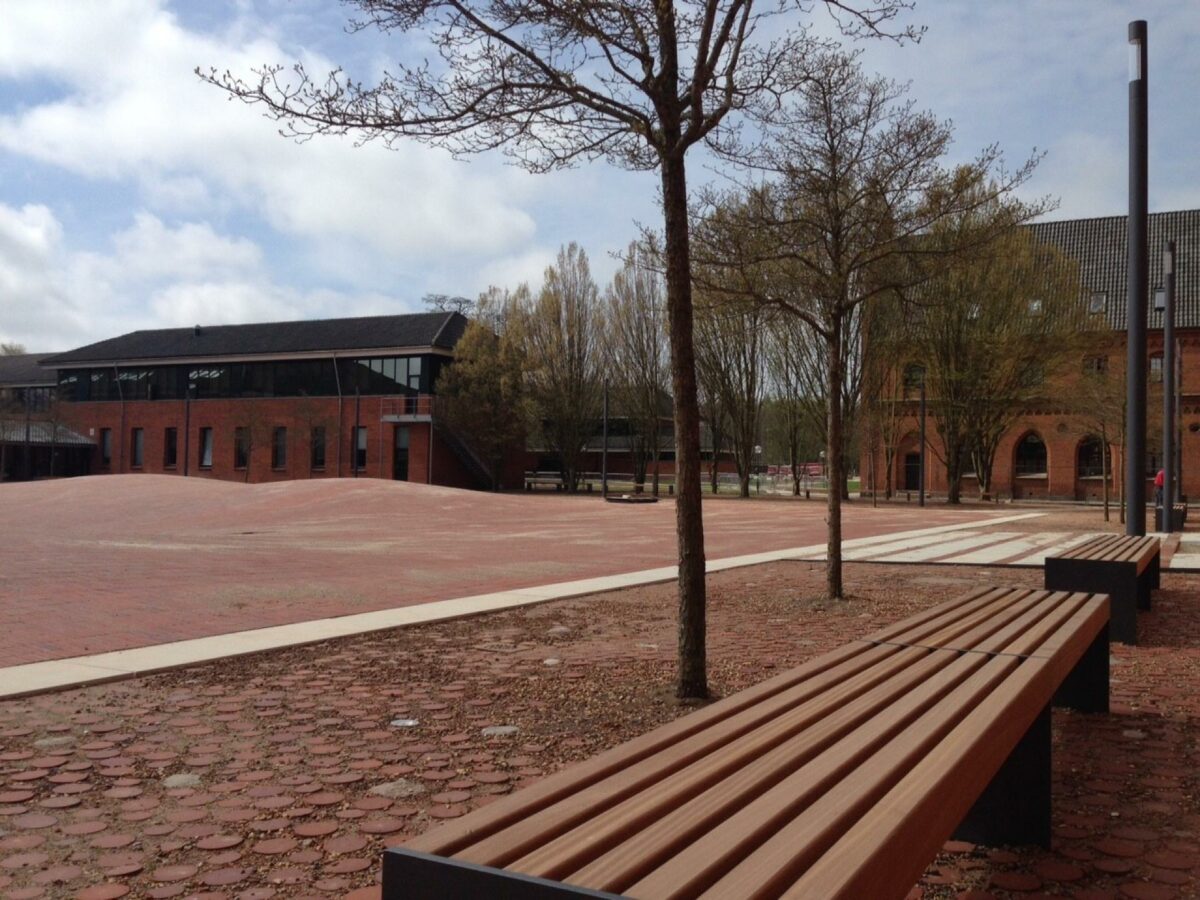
(1031, 455)
(1089, 458)
(914, 375)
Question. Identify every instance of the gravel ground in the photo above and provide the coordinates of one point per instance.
(285, 774)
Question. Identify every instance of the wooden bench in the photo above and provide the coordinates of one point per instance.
(841, 778)
(1126, 568)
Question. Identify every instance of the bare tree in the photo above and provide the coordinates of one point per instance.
(834, 216)
(449, 303)
(992, 331)
(8, 348)
(482, 395)
(785, 410)
(562, 333)
(556, 83)
(729, 353)
(638, 355)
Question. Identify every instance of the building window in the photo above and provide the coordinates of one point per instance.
(318, 447)
(1156, 370)
(1089, 458)
(169, 448)
(106, 446)
(360, 447)
(139, 448)
(279, 448)
(241, 448)
(206, 448)
(914, 375)
(1031, 455)
(1098, 302)
(1095, 365)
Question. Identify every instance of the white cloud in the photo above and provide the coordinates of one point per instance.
(131, 108)
(154, 276)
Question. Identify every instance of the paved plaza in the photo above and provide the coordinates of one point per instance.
(89, 565)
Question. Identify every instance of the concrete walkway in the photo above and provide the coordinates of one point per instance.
(62, 674)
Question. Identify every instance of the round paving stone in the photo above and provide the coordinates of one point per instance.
(348, 843)
(319, 828)
(102, 892)
(219, 841)
(348, 865)
(1141, 890)
(35, 820)
(447, 812)
(58, 875)
(325, 798)
(275, 846)
(24, 860)
(113, 841)
(380, 826)
(287, 875)
(173, 873)
(224, 877)
(21, 841)
(15, 796)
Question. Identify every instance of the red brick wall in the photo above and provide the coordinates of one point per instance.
(1062, 429)
(261, 417)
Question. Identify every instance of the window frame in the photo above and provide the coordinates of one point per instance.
(279, 449)
(170, 447)
(205, 439)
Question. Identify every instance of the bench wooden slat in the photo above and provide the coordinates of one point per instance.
(739, 738)
(635, 837)
(892, 847)
(869, 860)
(779, 836)
(448, 838)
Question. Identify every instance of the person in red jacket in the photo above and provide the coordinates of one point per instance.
(1158, 488)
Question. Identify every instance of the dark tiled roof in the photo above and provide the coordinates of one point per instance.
(1099, 245)
(431, 329)
(24, 369)
(13, 431)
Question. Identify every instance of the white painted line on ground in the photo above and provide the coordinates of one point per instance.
(1039, 558)
(896, 546)
(1007, 550)
(62, 674)
(947, 548)
(1185, 561)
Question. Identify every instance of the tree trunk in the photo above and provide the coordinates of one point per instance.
(1104, 467)
(693, 679)
(833, 456)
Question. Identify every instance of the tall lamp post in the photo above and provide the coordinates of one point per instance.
(1135, 306)
(1166, 523)
(921, 474)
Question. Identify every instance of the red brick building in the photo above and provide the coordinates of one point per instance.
(1053, 450)
(270, 401)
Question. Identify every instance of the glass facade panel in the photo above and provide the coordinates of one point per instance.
(279, 448)
(241, 447)
(360, 448)
(170, 449)
(318, 447)
(138, 448)
(206, 448)
(293, 378)
(106, 446)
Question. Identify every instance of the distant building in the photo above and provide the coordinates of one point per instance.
(34, 441)
(1053, 451)
(270, 401)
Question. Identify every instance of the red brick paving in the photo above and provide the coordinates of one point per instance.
(281, 776)
(110, 562)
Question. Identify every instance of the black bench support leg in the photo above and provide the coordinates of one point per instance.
(1015, 807)
(408, 875)
(1086, 688)
(1120, 582)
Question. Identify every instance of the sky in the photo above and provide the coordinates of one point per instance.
(134, 196)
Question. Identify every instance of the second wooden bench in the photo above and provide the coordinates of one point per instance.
(1126, 568)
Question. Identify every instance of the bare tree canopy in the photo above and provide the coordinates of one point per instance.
(553, 83)
(834, 212)
(449, 303)
(12, 349)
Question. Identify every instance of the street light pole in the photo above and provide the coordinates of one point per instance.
(1135, 306)
(604, 449)
(921, 474)
(1166, 524)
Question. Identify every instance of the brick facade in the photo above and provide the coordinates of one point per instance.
(430, 458)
